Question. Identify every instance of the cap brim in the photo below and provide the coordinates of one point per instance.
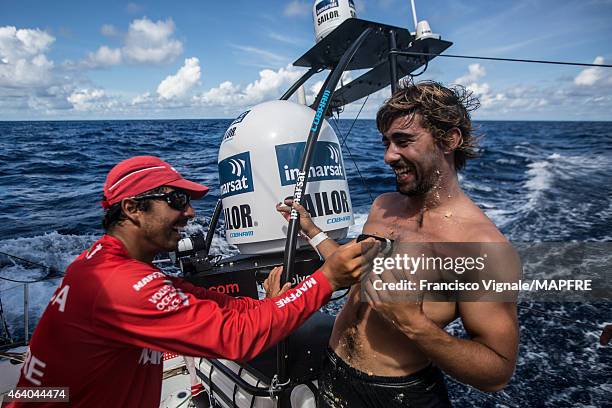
(195, 190)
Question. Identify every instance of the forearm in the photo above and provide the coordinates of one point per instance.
(468, 361)
(241, 304)
(326, 247)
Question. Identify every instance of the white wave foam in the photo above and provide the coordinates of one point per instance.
(472, 185)
(540, 176)
(51, 249)
(355, 229)
(499, 216)
(505, 161)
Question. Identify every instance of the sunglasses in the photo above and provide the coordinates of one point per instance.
(178, 200)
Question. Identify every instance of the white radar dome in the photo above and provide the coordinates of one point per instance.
(259, 161)
(329, 14)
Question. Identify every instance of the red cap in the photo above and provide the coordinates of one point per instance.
(143, 173)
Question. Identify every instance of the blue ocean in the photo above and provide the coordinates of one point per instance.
(538, 181)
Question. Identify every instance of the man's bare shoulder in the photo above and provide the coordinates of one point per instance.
(386, 199)
(474, 224)
(386, 204)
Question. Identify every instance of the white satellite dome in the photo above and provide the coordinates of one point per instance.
(259, 160)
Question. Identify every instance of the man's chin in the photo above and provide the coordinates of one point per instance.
(407, 190)
(412, 190)
(172, 243)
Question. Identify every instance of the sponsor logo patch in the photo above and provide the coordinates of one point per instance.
(235, 175)
(299, 291)
(326, 162)
(326, 5)
(239, 118)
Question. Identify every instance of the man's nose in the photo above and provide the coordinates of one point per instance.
(391, 154)
(189, 211)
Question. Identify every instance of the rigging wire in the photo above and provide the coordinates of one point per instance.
(344, 137)
(52, 273)
(431, 54)
(422, 71)
(5, 328)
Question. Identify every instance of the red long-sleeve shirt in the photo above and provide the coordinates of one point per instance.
(105, 329)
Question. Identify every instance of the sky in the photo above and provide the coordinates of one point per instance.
(72, 60)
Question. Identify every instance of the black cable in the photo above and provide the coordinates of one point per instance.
(356, 166)
(344, 137)
(354, 120)
(30, 262)
(580, 64)
(422, 72)
(51, 271)
(46, 277)
(236, 388)
(211, 398)
(253, 399)
(340, 296)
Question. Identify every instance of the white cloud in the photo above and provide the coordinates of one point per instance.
(176, 86)
(285, 38)
(86, 99)
(316, 87)
(104, 57)
(270, 85)
(475, 72)
(270, 82)
(594, 76)
(143, 99)
(483, 91)
(22, 52)
(297, 8)
(269, 58)
(146, 42)
(24, 41)
(151, 42)
(226, 94)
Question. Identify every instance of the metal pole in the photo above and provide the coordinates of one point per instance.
(414, 17)
(26, 320)
(321, 105)
(213, 225)
(393, 60)
(299, 83)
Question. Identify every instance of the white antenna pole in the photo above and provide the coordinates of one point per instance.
(301, 95)
(414, 16)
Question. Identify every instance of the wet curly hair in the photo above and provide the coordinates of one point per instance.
(440, 109)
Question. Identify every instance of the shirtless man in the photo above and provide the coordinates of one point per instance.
(390, 354)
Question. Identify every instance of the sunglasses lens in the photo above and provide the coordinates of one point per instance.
(179, 200)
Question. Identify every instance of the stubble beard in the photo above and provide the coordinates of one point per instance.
(424, 183)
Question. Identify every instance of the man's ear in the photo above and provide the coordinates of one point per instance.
(455, 139)
(131, 211)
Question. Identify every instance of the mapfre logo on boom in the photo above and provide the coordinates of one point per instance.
(326, 162)
(235, 175)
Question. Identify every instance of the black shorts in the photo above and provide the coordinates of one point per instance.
(340, 385)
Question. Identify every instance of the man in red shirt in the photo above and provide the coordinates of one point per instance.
(107, 325)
